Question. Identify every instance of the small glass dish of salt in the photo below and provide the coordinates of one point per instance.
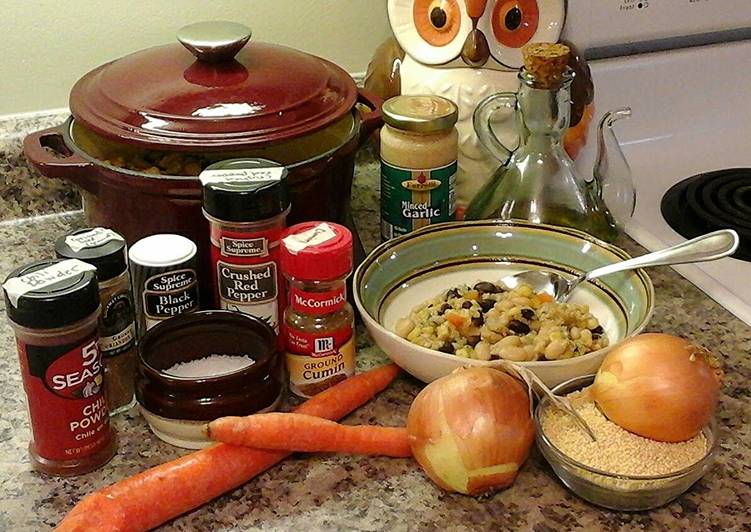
(197, 367)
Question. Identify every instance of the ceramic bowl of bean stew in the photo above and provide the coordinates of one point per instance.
(443, 282)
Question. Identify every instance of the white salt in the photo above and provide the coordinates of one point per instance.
(210, 366)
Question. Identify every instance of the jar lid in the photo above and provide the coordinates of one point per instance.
(245, 190)
(421, 114)
(158, 251)
(317, 251)
(211, 91)
(103, 248)
(51, 293)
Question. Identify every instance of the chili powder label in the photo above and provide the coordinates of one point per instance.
(69, 416)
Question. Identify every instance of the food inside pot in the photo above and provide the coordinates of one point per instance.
(185, 163)
(487, 321)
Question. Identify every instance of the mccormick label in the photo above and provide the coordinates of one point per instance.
(69, 415)
(168, 294)
(411, 199)
(317, 302)
(318, 361)
(246, 272)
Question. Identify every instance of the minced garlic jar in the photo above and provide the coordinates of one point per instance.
(419, 145)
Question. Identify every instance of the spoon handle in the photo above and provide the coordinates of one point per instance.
(711, 246)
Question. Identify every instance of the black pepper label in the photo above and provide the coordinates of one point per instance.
(244, 247)
(169, 294)
(250, 288)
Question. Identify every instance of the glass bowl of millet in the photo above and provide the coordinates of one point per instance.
(620, 470)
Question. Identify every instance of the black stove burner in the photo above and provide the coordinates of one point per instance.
(711, 201)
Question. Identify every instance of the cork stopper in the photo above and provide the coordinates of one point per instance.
(546, 63)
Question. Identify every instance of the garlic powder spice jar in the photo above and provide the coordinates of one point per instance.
(419, 145)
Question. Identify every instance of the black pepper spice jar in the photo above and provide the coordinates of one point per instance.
(107, 251)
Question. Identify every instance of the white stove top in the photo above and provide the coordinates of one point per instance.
(691, 114)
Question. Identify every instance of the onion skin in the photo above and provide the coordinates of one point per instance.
(471, 431)
(658, 386)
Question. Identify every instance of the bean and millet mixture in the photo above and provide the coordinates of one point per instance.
(488, 322)
(616, 450)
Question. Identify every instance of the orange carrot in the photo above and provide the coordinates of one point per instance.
(166, 491)
(456, 320)
(545, 298)
(303, 433)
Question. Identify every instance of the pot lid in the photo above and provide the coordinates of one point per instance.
(211, 91)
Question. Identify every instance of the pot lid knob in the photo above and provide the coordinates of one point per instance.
(214, 41)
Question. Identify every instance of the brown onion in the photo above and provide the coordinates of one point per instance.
(658, 386)
(471, 431)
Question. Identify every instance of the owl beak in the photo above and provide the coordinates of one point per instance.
(475, 51)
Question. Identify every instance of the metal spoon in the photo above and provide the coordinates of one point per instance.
(711, 246)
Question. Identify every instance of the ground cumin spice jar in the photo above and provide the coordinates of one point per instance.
(419, 145)
(246, 203)
(319, 332)
(107, 251)
(53, 307)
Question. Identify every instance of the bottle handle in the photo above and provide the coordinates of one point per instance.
(481, 121)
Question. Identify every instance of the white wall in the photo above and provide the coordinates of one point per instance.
(48, 44)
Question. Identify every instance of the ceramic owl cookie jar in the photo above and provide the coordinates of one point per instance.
(466, 50)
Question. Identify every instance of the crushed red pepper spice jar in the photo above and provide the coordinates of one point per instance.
(246, 203)
(319, 323)
(53, 307)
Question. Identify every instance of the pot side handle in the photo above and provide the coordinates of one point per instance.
(371, 120)
(47, 152)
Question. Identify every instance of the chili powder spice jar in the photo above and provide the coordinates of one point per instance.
(107, 251)
(53, 308)
(319, 323)
(246, 203)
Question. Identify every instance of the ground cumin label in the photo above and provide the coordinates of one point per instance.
(319, 334)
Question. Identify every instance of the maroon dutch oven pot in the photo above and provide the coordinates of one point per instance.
(143, 126)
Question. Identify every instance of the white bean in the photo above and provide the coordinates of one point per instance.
(403, 327)
(482, 351)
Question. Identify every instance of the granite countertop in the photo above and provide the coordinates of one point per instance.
(327, 492)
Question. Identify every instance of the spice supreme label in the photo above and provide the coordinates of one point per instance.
(411, 199)
(316, 361)
(66, 399)
(169, 294)
(244, 247)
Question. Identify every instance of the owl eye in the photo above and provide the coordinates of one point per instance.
(515, 22)
(437, 21)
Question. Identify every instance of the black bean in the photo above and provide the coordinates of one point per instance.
(453, 293)
(528, 314)
(477, 322)
(597, 330)
(467, 304)
(486, 288)
(486, 304)
(518, 327)
(444, 308)
(447, 347)
(473, 340)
